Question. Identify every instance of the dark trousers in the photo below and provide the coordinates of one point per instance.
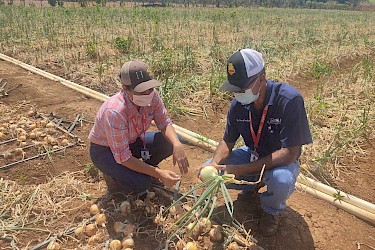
(130, 180)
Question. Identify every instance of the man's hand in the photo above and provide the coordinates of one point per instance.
(169, 178)
(179, 157)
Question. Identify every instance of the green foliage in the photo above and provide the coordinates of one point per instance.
(91, 170)
(368, 68)
(320, 69)
(92, 51)
(123, 45)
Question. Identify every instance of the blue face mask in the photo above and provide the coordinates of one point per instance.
(247, 97)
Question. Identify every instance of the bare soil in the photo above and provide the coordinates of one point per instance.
(307, 223)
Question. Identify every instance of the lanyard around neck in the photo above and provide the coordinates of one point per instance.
(139, 133)
(256, 138)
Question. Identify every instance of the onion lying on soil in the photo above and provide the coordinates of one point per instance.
(191, 246)
(173, 211)
(125, 207)
(150, 195)
(50, 125)
(233, 246)
(119, 227)
(205, 225)
(94, 209)
(64, 142)
(129, 230)
(32, 135)
(139, 203)
(79, 232)
(18, 151)
(101, 219)
(94, 239)
(216, 234)
(22, 138)
(90, 229)
(53, 245)
(127, 243)
(193, 231)
(115, 245)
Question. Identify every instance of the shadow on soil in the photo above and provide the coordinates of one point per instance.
(293, 231)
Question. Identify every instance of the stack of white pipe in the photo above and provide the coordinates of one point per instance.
(349, 203)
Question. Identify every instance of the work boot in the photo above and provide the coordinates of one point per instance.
(251, 195)
(156, 182)
(268, 224)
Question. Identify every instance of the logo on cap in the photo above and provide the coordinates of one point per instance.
(231, 69)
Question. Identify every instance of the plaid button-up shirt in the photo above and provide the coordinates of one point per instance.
(118, 123)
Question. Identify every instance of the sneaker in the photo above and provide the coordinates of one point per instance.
(268, 224)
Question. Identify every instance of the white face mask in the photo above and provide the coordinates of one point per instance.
(143, 100)
(247, 97)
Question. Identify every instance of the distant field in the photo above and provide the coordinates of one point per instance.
(187, 49)
(182, 45)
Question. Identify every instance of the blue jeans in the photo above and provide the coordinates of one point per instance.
(131, 181)
(280, 181)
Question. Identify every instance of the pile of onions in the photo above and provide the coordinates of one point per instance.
(213, 184)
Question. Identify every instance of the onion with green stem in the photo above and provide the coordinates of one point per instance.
(206, 202)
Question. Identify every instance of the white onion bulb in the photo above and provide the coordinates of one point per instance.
(207, 172)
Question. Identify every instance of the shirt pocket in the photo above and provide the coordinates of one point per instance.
(273, 136)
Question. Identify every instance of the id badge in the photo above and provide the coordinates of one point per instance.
(253, 156)
(145, 154)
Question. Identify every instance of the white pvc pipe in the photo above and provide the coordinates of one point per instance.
(359, 212)
(208, 144)
(331, 191)
(198, 136)
(72, 85)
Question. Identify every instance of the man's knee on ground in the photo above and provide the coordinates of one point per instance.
(281, 181)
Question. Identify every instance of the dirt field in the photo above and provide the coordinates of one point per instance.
(307, 223)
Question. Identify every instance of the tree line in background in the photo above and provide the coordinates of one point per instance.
(311, 4)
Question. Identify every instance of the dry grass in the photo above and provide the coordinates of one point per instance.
(42, 208)
(341, 115)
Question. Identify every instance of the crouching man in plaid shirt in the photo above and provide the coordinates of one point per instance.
(119, 144)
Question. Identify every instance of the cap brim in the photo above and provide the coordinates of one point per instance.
(229, 87)
(147, 85)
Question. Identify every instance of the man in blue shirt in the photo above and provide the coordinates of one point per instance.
(271, 118)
